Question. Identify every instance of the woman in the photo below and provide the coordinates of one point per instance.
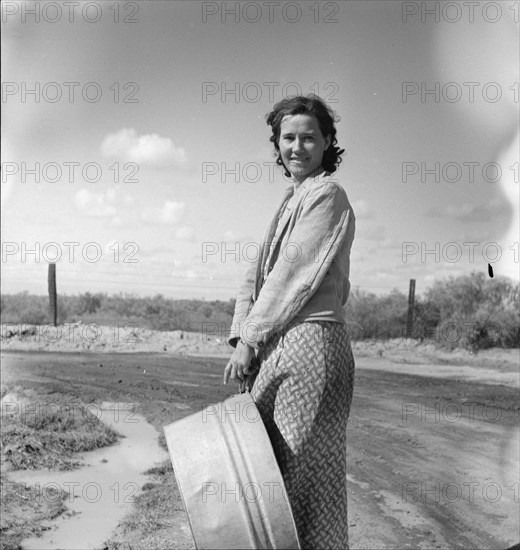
(289, 321)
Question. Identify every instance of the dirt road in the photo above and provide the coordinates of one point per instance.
(433, 457)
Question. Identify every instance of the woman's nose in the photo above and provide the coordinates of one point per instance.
(298, 145)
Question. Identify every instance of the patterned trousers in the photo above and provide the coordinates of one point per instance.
(303, 392)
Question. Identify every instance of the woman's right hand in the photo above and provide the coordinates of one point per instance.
(238, 365)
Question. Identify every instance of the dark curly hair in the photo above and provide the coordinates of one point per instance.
(307, 105)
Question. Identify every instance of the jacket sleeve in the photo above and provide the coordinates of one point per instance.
(301, 266)
(244, 301)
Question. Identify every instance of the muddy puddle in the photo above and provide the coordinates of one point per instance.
(102, 492)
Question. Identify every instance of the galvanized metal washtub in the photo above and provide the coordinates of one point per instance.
(228, 477)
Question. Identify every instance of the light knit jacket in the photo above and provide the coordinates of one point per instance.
(308, 272)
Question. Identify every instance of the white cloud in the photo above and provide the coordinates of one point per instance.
(469, 212)
(150, 149)
(7, 190)
(372, 232)
(184, 233)
(361, 210)
(232, 236)
(116, 221)
(95, 204)
(111, 194)
(170, 213)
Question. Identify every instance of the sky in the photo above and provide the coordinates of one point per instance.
(135, 152)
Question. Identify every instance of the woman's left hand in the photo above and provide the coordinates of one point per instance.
(238, 365)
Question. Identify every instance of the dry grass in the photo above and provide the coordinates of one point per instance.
(40, 433)
(152, 523)
(24, 512)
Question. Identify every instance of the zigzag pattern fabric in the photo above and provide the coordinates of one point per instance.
(303, 392)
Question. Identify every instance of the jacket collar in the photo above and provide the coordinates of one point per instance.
(308, 182)
(294, 192)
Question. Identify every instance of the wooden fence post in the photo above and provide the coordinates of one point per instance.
(411, 300)
(53, 299)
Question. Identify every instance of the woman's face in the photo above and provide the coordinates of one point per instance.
(302, 145)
